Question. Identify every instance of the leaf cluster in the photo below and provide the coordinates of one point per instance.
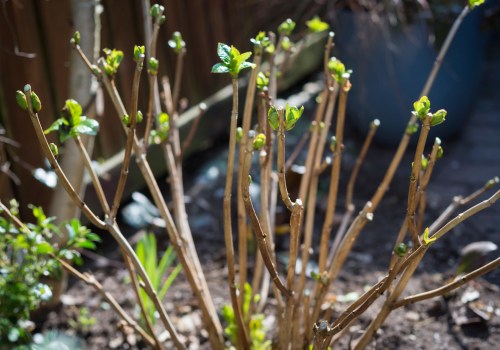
(72, 123)
(292, 115)
(26, 258)
(232, 60)
(112, 61)
(256, 322)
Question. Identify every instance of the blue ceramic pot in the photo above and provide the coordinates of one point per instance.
(391, 64)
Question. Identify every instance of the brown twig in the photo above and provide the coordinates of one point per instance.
(228, 231)
(334, 178)
(449, 286)
(259, 234)
(130, 139)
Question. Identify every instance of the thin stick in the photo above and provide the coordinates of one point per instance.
(93, 176)
(130, 139)
(260, 236)
(178, 78)
(228, 231)
(334, 178)
(192, 130)
(448, 287)
(242, 216)
(415, 173)
(89, 214)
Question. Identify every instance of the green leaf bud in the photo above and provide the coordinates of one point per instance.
(287, 27)
(424, 163)
(261, 40)
(54, 149)
(21, 100)
(75, 39)
(316, 25)
(153, 66)
(439, 153)
(286, 44)
(262, 81)
(492, 182)
(138, 52)
(333, 143)
(438, 117)
(239, 133)
(126, 119)
(315, 276)
(401, 250)
(176, 43)
(163, 19)
(139, 117)
(411, 128)
(259, 141)
(35, 102)
(156, 10)
(273, 118)
(421, 107)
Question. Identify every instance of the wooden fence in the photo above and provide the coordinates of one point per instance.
(34, 43)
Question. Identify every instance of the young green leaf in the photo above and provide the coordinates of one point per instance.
(54, 149)
(273, 118)
(112, 62)
(474, 3)
(426, 238)
(262, 81)
(156, 10)
(438, 117)
(292, 115)
(421, 107)
(75, 111)
(261, 41)
(286, 44)
(232, 60)
(316, 25)
(411, 128)
(337, 68)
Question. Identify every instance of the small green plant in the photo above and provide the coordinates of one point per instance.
(157, 271)
(83, 320)
(27, 259)
(255, 322)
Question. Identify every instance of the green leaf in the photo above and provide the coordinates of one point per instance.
(21, 100)
(292, 115)
(75, 111)
(56, 125)
(87, 126)
(438, 117)
(426, 238)
(220, 68)
(223, 51)
(337, 68)
(261, 40)
(424, 163)
(316, 25)
(44, 248)
(246, 65)
(273, 118)
(474, 3)
(411, 128)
